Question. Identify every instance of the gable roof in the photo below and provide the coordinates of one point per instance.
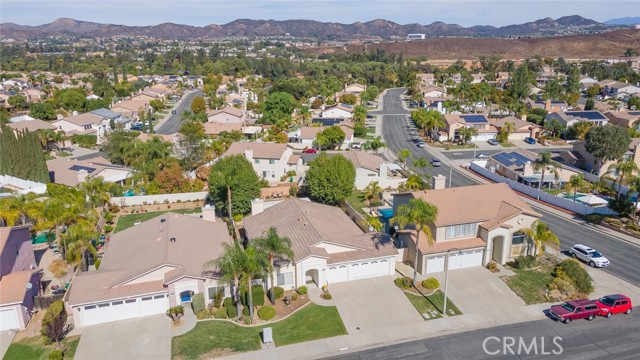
(65, 171)
(7, 231)
(260, 150)
(13, 286)
(472, 204)
(363, 159)
(83, 119)
(31, 125)
(226, 110)
(517, 123)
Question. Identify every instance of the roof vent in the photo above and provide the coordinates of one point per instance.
(163, 220)
(172, 239)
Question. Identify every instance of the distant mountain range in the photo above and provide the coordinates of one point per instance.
(624, 21)
(300, 28)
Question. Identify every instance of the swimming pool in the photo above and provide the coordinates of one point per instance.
(42, 238)
(128, 193)
(386, 213)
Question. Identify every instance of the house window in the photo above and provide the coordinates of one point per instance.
(87, 127)
(104, 305)
(462, 230)
(129, 301)
(158, 297)
(272, 162)
(212, 291)
(117, 303)
(146, 298)
(90, 307)
(285, 278)
(517, 238)
(256, 161)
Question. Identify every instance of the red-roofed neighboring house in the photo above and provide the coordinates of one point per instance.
(19, 277)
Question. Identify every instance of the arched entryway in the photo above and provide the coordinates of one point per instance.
(311, 277)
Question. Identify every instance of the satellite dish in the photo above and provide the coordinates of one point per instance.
(29, 286)
(371, 228)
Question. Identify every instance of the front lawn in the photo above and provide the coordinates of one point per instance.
(432, 304)
(218, 338)
(34, 349)
(530, 285)
(127, 221)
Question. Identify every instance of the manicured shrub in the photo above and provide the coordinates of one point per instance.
(593, 218)
(326, 296)
(217, 299)
(228, 302)
(266, 313)
(431, 283)
(294, 296)
(232, 313)
(492, 266)
(526, 261)
(278, 292)
(55, 355)
(54, 322)
(359, 130)
(302, 290)
(97, 263)
(245, 310)
(197, 303)
(578, 275)
(220, 313)
(258, 296)
(404, 282)
(203, 314)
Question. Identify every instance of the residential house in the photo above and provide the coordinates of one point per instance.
(517, 165)
(569, 118)
(455, 122)
(328, 247)
(548, 105)
(71, 172)
(227, 115)
(97, 122)
(150, 267)
(33, 95)
(307, 135)
(370, 167)
(131, 108)
(270, 161)
(433, 92)
(215, 128)
(625, 119)
(617, 89)
(19, 277)
(475, 225)
(477, 78)
(522, 128)
(587, 82)
(31, 126)
(426, 79)
(337, 111)
(581, 158)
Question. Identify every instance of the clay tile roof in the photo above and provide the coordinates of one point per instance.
(363, 159)
(214, 128)
(260, 150)
(228, 110)
(8, 231)
(31, 125)
(443, 246)
(293, 159)
(83, 119)
(13, 286)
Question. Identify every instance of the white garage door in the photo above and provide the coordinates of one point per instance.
(154, 305)
(368, 269)
(456, 261)
(124, 309)
(9, 319)
(338, 273)
(435, 264)
(483, 137)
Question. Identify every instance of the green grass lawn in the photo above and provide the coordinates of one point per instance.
(530, 285)
(127, 221)
(212, 337)
(356, 199)
(431, 303)
(34, 349)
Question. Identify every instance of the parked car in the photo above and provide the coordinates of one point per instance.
(530, 140)
(310, 151)
(356, 145)
(136, 127)
(421, 144)
(614, 304)
(574, 310)
(493, 142)
(59, 291)
(436, 162)
(482, 156)
(589, 255)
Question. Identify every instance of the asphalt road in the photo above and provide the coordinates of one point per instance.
(468, 154)
(614, 338)
(623, 256)
(172, 125)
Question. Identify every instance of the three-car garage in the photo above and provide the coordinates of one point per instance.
(457, 260)
(363, 269)
(92, 314)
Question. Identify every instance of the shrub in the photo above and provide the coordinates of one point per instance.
(217, 299)
(108, 229)
(525, 261)
(326, 296)
(232, 313)
(577, 274)
(258, 296)
(228, 302)
(278, 292)
(203, 314)
(404, 282)
(294, 296)
(85, 141)
(220, 313)
(492, 265)
(359, 131)
(302, 290)
(197, 303)
(593, 218)
(431, 283)
(97, 263)
(245, 310)
(266, 313)
(54, 322)
(55, 355)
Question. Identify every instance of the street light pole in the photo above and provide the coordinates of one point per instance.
(450, 174)
(474, 150)
(446, 280)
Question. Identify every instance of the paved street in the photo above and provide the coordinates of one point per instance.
(623, 256)
(614, 338)
(172, 124)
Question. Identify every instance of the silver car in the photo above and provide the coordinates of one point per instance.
(589, 255)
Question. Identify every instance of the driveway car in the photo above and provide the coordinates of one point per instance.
(309, 151)
(482, 156)
(574, 310)
(530, 140)
(356, 145)
(614, 304)
(137, 127)
(493, 142)
(435, 162)
(589, 255)
(421, 144)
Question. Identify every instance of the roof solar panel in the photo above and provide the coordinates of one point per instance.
(519, 158)
(634, 112)
(474, 118)
(80, 167)
(503, 159)
(589, 115)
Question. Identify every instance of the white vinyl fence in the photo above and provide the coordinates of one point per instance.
(158, 199)
(25, 186)
(541, 195)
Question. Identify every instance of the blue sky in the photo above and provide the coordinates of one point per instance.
(204, 12)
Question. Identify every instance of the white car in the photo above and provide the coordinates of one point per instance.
(589, 255)
(482, 156)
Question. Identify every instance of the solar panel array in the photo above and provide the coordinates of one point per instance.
(80, 167)
(474, 118)
(635, 113)
(511, 158)
(589, 115)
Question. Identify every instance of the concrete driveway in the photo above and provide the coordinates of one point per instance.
(373, 305)
(6, 337)
(144, 338)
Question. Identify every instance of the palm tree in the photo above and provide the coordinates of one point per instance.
(467, 133)
(540, 234)
(575, 183)
(230, 181)
(544, 163)
(373, 222)
(624, 168)
(96, 191)
(24, 208)
(254, 265)
(274, 246)
(434, 120)
(507, 129)
(420, 163)
(374, 145)
(305, 115)
(403, 155)
(372, 192)
(634, 186)
(79, 237)
(230, 265)
(420, 214)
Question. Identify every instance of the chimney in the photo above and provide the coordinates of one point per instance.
(209, 212)
(257, 206)
(547, 105)
(439, 182)
(82, 175)
(527, 169)
(384, 170)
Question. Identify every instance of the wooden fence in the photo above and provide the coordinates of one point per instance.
(43, 302)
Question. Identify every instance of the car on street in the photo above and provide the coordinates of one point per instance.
(356, 146)
(136, 127)
(309, 151)
(589, 255)
(369, 116)
(574, 310)
(436, 162)
(530, 140)
(482, 156)
(493, 142)
(421, 144)
(614, 304)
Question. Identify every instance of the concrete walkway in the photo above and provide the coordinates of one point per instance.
(314, 293)
(6, 337)
(187, 323)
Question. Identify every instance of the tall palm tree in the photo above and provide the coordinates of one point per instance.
(624, 168)
(230, 181)
(420, 214)
(544, 163)
(372, 192)
(79, 238)
(576, 182)
(230, 265)
(403, 155)
(96, 191)
(467, 133)
(305, 115)
(434, 120)
(374, 145)
(254, 265)
(634, 186)
(25, 209)
(540, 234)
(420, 163)
(274, 246)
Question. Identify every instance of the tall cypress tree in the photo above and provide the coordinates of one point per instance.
(21, 156)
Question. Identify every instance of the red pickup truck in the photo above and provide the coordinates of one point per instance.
(574, 310)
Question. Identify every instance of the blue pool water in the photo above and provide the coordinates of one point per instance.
(41, 238)
(387, 213)
(128, 193)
